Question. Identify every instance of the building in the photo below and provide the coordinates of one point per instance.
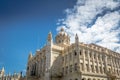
(15, 76)
(61, 60)
(2, 73)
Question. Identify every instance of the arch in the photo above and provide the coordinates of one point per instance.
(76, 79)
(89, 78)
(94, 79)
(83, 78)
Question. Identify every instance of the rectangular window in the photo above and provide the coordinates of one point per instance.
(75, 66)
(81, 66)
(75, 53)
(87, 67)
(96, 69)
(66, 69)
(70, 56)
(70, 68)
(92, 68)
(63, 70)
(80, 52)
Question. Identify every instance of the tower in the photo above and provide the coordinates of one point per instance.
(76, 39)
(2, 72)
(3, 69)
(48, 55)
(49, 39)
(28, 65)
(62, 37)
(30, 56)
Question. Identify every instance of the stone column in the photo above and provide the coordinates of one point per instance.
(117, 64)
(84, 66)
(105, 61)
(93, 62)
(111, 63)
(89, 61)
(101, 63)
(97, 63)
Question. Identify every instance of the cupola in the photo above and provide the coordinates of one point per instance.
(62, 37)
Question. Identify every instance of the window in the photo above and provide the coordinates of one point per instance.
(81, 66)
(66, 69)
(63, 58)
(66, 58)
(70, 56)
(63, 70)
(75, 53)
(89, 78)
(94, 56)
(90, 55)
(85, 53)
(80, 52)
(27, 68)
(59, 41)
(75, 66)
(96, 69)
(87, 67)
(92, 68)
(101, 69)
(83, 79)
(70, 68)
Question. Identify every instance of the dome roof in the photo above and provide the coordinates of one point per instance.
(62, 32)
(62, 37)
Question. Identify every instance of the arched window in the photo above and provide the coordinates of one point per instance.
(75, 53)
(83, 78)
(89, 79)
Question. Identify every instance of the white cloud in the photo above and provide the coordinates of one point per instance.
(95, 21)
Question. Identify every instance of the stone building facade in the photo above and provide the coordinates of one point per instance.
(2, 71)
(15, 76)
(62, 60)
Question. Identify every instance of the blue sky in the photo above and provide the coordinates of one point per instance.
(24, 26)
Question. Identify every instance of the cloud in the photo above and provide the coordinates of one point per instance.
(95, 21)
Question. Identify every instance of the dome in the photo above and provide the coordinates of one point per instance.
(62, 32)
(62, 37)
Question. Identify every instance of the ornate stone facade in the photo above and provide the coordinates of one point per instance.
(2, 73)
(15, 76)
(61, 60)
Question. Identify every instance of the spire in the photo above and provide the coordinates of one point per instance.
(76, 38)
(3, 69)
(49, 39)
(49, 36)
(30, 55)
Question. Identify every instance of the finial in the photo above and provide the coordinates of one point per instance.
(49, 32)
(62, 29)
(3, 69)
(76, 36)
(50, 36)
(30, 55)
